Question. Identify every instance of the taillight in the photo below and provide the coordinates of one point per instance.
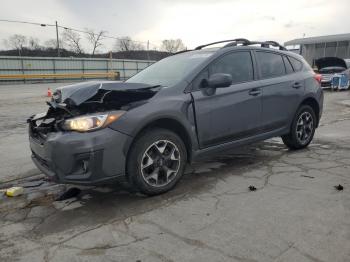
(318, 78)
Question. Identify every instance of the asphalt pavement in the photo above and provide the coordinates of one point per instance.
(295, 213)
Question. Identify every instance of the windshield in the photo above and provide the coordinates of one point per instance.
(347, 61)
(169, 71)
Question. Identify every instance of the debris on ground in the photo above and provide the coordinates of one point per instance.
(252, 188)
(14, 191)
(339, 187)
(71, 192)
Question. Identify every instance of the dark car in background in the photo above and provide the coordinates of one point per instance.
(330, 66)
(186, 106)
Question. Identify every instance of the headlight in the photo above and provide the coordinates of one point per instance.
(91, 122)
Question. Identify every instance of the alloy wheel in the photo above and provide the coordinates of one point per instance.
(304, 128)
(160, 163)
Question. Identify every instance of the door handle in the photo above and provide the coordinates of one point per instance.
(255, 92)
(297, 85)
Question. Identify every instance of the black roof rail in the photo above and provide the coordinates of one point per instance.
(182, 51)
(267, 44)
(276, 44)
(242, 40)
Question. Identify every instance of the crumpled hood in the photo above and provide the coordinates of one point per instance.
(330, 62)
(77, 94)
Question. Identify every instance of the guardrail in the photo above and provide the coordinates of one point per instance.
(109, 75)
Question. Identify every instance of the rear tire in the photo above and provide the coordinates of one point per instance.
(302, 130)
(156, 161)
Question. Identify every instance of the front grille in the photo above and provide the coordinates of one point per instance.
(326, 77)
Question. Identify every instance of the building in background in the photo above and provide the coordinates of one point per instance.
(312, 48)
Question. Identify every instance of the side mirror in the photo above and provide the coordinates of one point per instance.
(218, 80)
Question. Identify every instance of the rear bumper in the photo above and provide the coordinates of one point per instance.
(321, 99)
(81, 158)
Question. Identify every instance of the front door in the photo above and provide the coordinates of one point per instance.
(233, 112)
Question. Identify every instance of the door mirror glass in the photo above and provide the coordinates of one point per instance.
(218, 80)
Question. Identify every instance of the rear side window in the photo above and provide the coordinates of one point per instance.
(239, 65)
(271, 65)
(297, 65)
(289, 68)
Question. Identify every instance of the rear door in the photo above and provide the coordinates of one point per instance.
(229, 113)
(281, 87)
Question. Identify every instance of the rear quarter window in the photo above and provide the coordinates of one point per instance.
(270, 64)
(297, 65)
(289, 68)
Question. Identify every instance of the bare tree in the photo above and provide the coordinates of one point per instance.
(33, 43)
(127, 44)
(173, 45)
(52, 43)
(16, 42)
(95, 39)
(72, 39)
(123, 44)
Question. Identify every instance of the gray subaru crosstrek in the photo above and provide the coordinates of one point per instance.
(177, 110)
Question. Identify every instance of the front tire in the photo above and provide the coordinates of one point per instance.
(302, 130)
(156, 161)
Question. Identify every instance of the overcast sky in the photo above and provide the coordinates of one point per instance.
(194, 21)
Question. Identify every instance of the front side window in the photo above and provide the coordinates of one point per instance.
(198, 81)
(271, 64)
(238, 64)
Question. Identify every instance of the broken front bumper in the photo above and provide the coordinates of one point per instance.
(81, 158)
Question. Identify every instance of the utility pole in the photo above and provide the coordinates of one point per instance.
(57, 41)
(148, 50)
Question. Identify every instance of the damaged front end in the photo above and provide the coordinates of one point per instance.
(70, 142)
(104, 101)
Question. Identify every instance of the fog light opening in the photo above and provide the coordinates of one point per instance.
(85, 166)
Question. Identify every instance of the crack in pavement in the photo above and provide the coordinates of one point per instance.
(195, 242)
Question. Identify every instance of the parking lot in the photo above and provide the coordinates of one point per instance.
(295, 213)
